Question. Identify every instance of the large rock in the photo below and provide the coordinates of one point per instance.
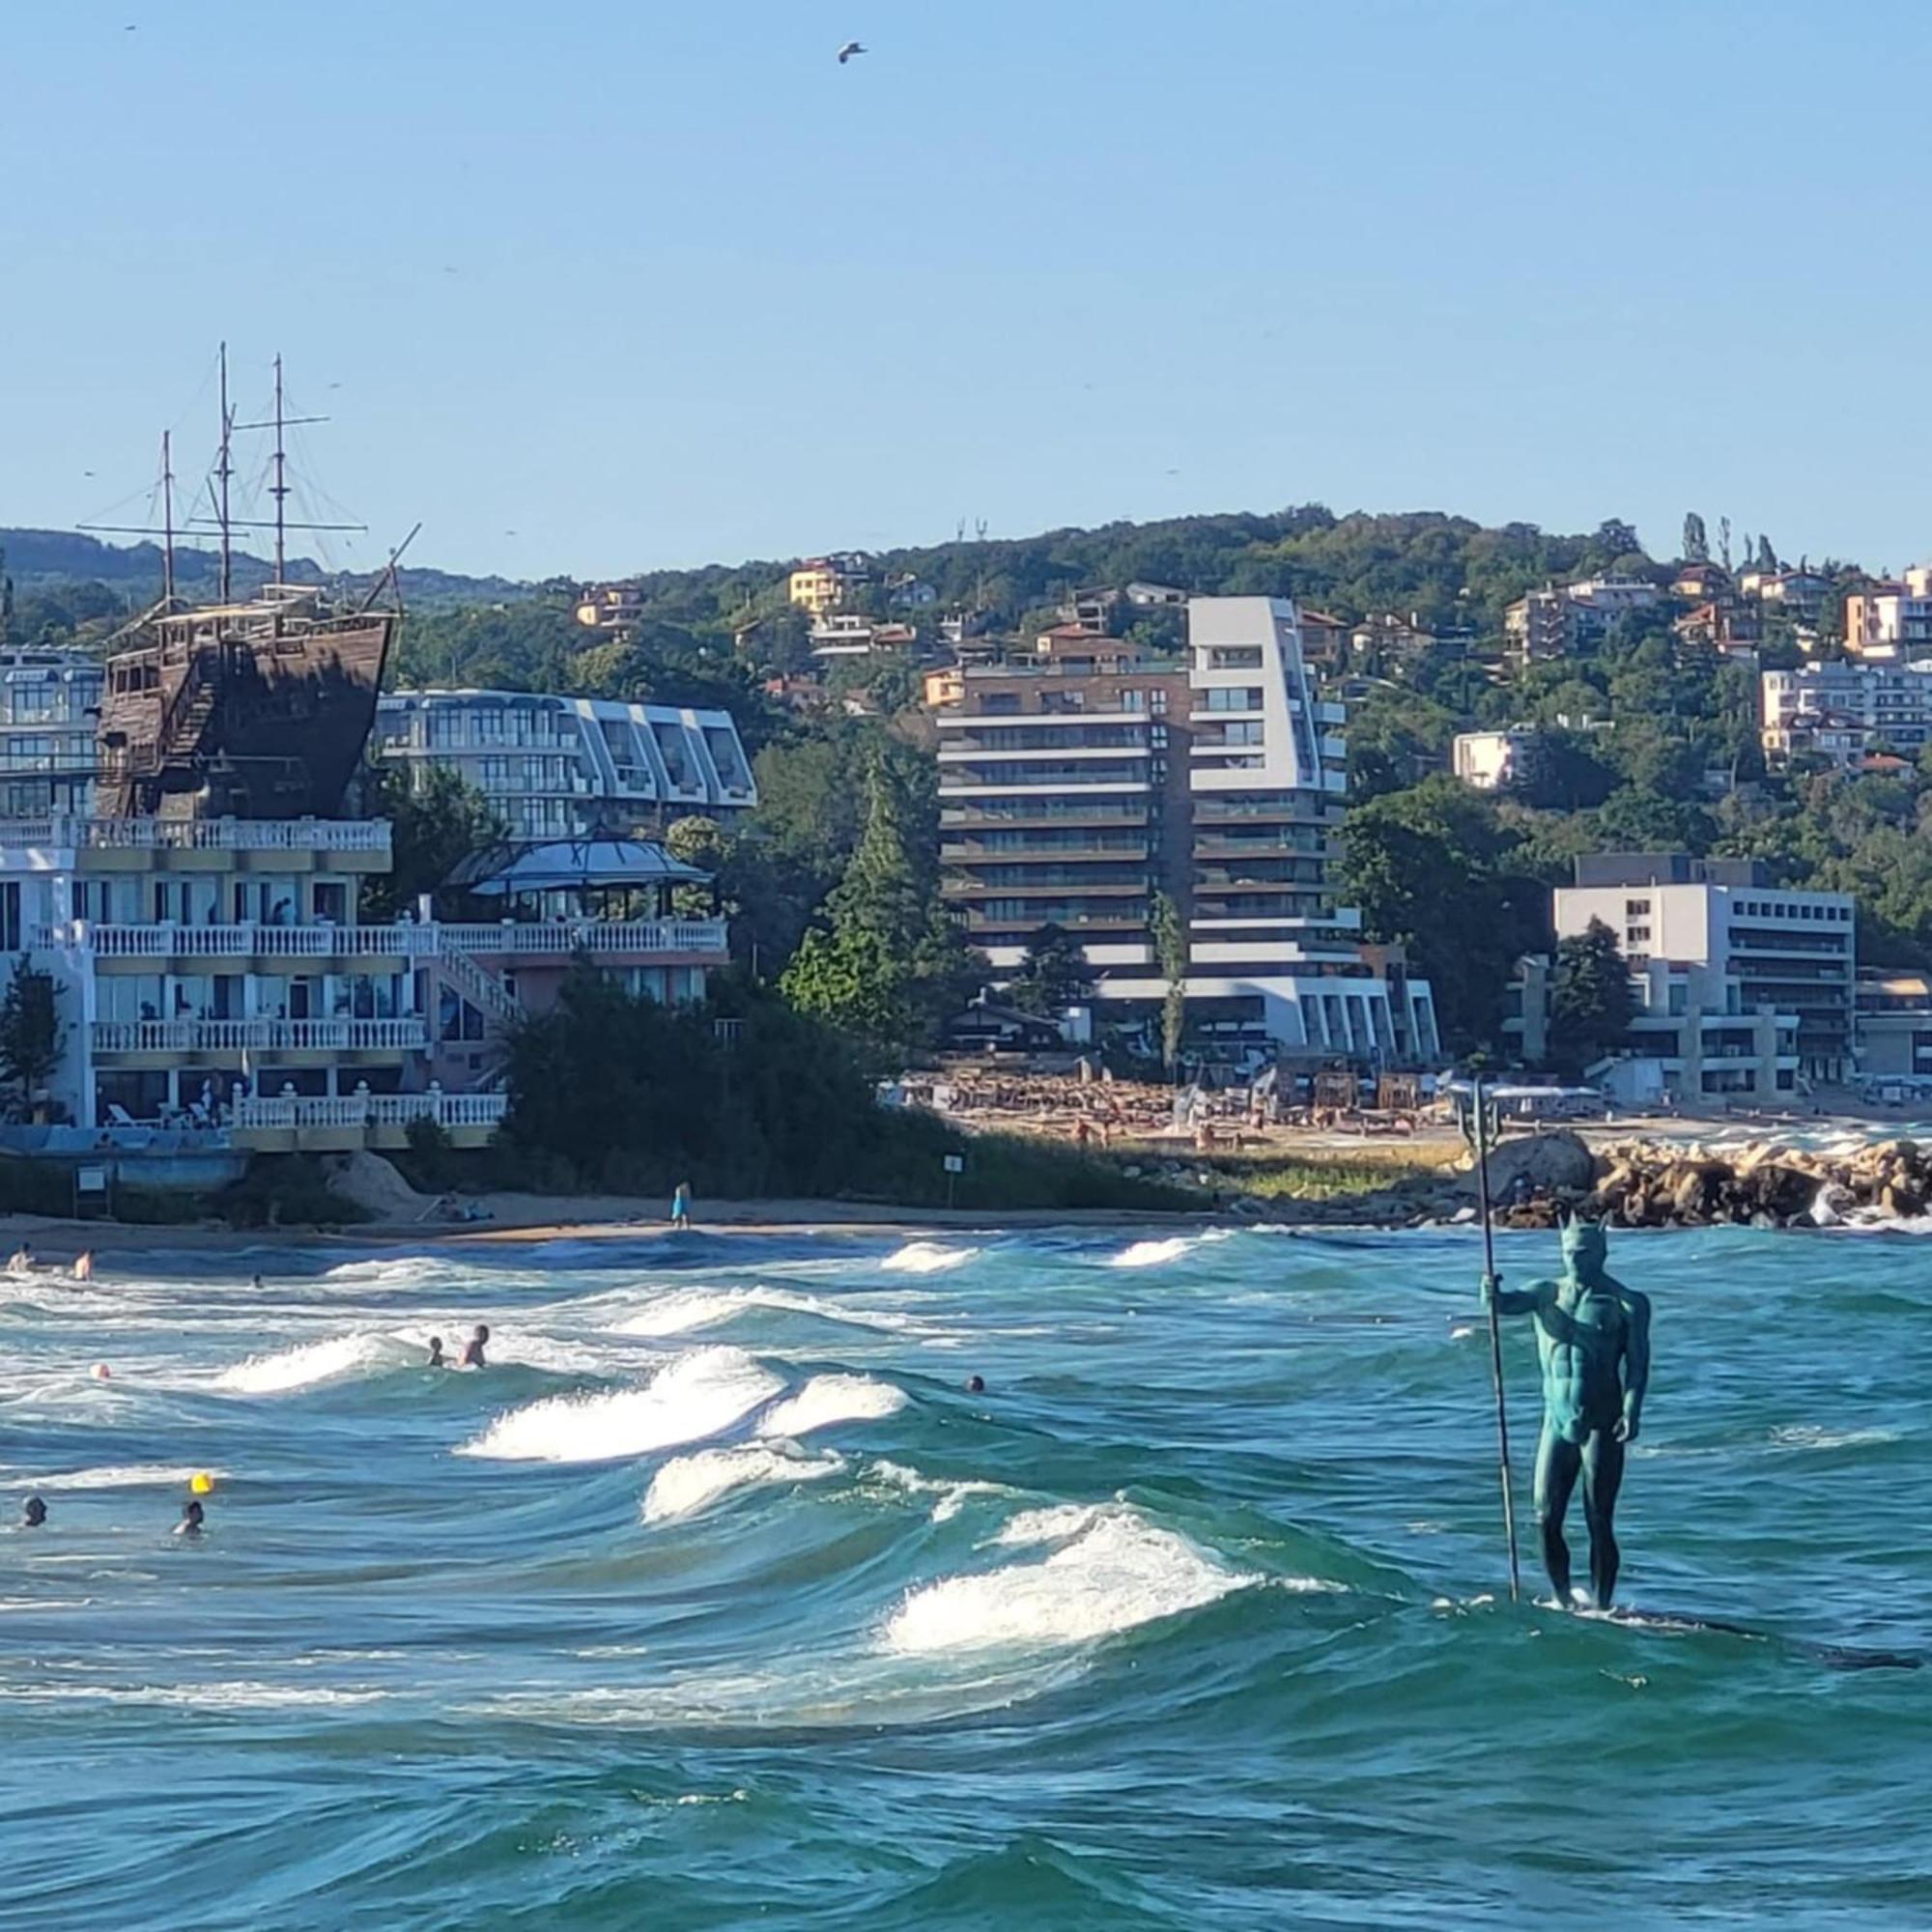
(1557, 1162)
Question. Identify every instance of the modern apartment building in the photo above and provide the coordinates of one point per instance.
(613, 608)
(1082, 784)
(559, 767)
(1494, 760)
(1841, 711)
(1712, 940)
(49, 711)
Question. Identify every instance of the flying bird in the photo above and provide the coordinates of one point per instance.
(847, 52)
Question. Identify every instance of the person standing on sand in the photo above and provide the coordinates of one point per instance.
(680, 1204)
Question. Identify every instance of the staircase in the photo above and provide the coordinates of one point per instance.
(483, 989)
(192, 706)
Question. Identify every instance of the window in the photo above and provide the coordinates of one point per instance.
(9, 916)
(1235, 657)
(1635, 908)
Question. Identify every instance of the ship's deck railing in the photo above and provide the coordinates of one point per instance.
(198, 835)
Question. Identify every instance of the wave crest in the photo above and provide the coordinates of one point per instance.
(926, 1258)
(828, 1399)
(688, 1483)
(1119, 1572)
(308, 1363)
(695, 1396)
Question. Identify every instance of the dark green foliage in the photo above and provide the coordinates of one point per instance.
(32, 1033)
(1437, 868)
(1170, 952)
(1696, 543)
(612, 1092)
(1590, 997)
(436, 822)
(286, 1190)
(430, 1165)
(1053, 976)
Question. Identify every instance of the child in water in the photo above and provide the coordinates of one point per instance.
(680, 1206)
(192, 1514)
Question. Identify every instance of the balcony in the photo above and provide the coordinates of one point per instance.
(260, 1036)
(557, 940)
(198, 835)
(378, 1109)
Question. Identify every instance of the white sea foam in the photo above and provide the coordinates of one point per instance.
(926, 1258)
(828, 1399)
(241, 1695)
(684, 1309)
(401, 1272)
(688, 1483)
(952, 1497)
(1153, 1253)
(1120, 1571)
(1810, 1435)
(1059, 1523)
(694, 1396)
(309, 1363)
(115, 1476)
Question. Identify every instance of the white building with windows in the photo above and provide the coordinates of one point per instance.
(1841, 711)
(1723, 961)
(558, 767)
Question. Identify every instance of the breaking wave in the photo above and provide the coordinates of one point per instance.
(695, 1396)
(926, 1258)
(688, 1483)
(310, 1362)
(1114, 1571)
(684, 1309)
(1153, 1253)
(828, 1399)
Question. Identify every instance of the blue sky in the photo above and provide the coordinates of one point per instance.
(656, 284)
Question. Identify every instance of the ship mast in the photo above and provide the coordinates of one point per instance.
(167, 522)
(279, 489)
(224, 470)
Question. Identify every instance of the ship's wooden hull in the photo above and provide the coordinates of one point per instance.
(261, 726)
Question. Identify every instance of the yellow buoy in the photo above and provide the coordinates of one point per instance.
(201, 1483)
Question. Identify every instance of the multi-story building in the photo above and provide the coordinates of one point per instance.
(823, 584)
(1894, 1025)
(1089, 784)
(1559, 619)
(49, 712)
(1840, 710)
(1712, 940)
(852, 633)
(1888, 622)
(559, 767)
(219, 972)
(1799, 594)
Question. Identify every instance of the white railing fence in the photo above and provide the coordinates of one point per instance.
(372, 1110)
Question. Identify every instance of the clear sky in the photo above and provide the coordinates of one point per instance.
(597, 285)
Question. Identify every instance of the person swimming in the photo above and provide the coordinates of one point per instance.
(22, 1261)
(192, 1514)
(472, 1350)
(83, 1265)
(436, 1359)
(33, 1513)
(976, 1385)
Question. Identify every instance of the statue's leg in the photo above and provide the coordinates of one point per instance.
(1602, 1478)
(1556, 1464)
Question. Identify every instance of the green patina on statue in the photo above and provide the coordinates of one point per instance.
(1593, 1341)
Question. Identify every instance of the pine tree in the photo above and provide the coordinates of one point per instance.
(1697, 541)
(1591, 999)
(1053, 976)
(31, 1038)
(1170, 945)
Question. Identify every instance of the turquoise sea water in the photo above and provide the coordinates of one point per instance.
(716, 1601)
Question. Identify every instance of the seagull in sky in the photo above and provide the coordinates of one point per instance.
(847, 52)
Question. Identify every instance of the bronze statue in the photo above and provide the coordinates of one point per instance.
(1593, 1341)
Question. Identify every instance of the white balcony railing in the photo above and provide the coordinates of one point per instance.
(260, 1036)
(199, 834)
(389, 942)
(379, 1110)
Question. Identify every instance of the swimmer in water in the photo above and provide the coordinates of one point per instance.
(192, 1514)
(33, 1514)
(472, 1350)
(976, 1385)
(256, 1284)
(437, 1359)
(22, 1261)
(83, 1265)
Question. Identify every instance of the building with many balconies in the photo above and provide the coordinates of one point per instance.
(1083, 785)
(1841, 711)
(49, 711)
(556, 767)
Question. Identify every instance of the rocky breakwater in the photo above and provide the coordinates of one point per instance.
(1674, 1185)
